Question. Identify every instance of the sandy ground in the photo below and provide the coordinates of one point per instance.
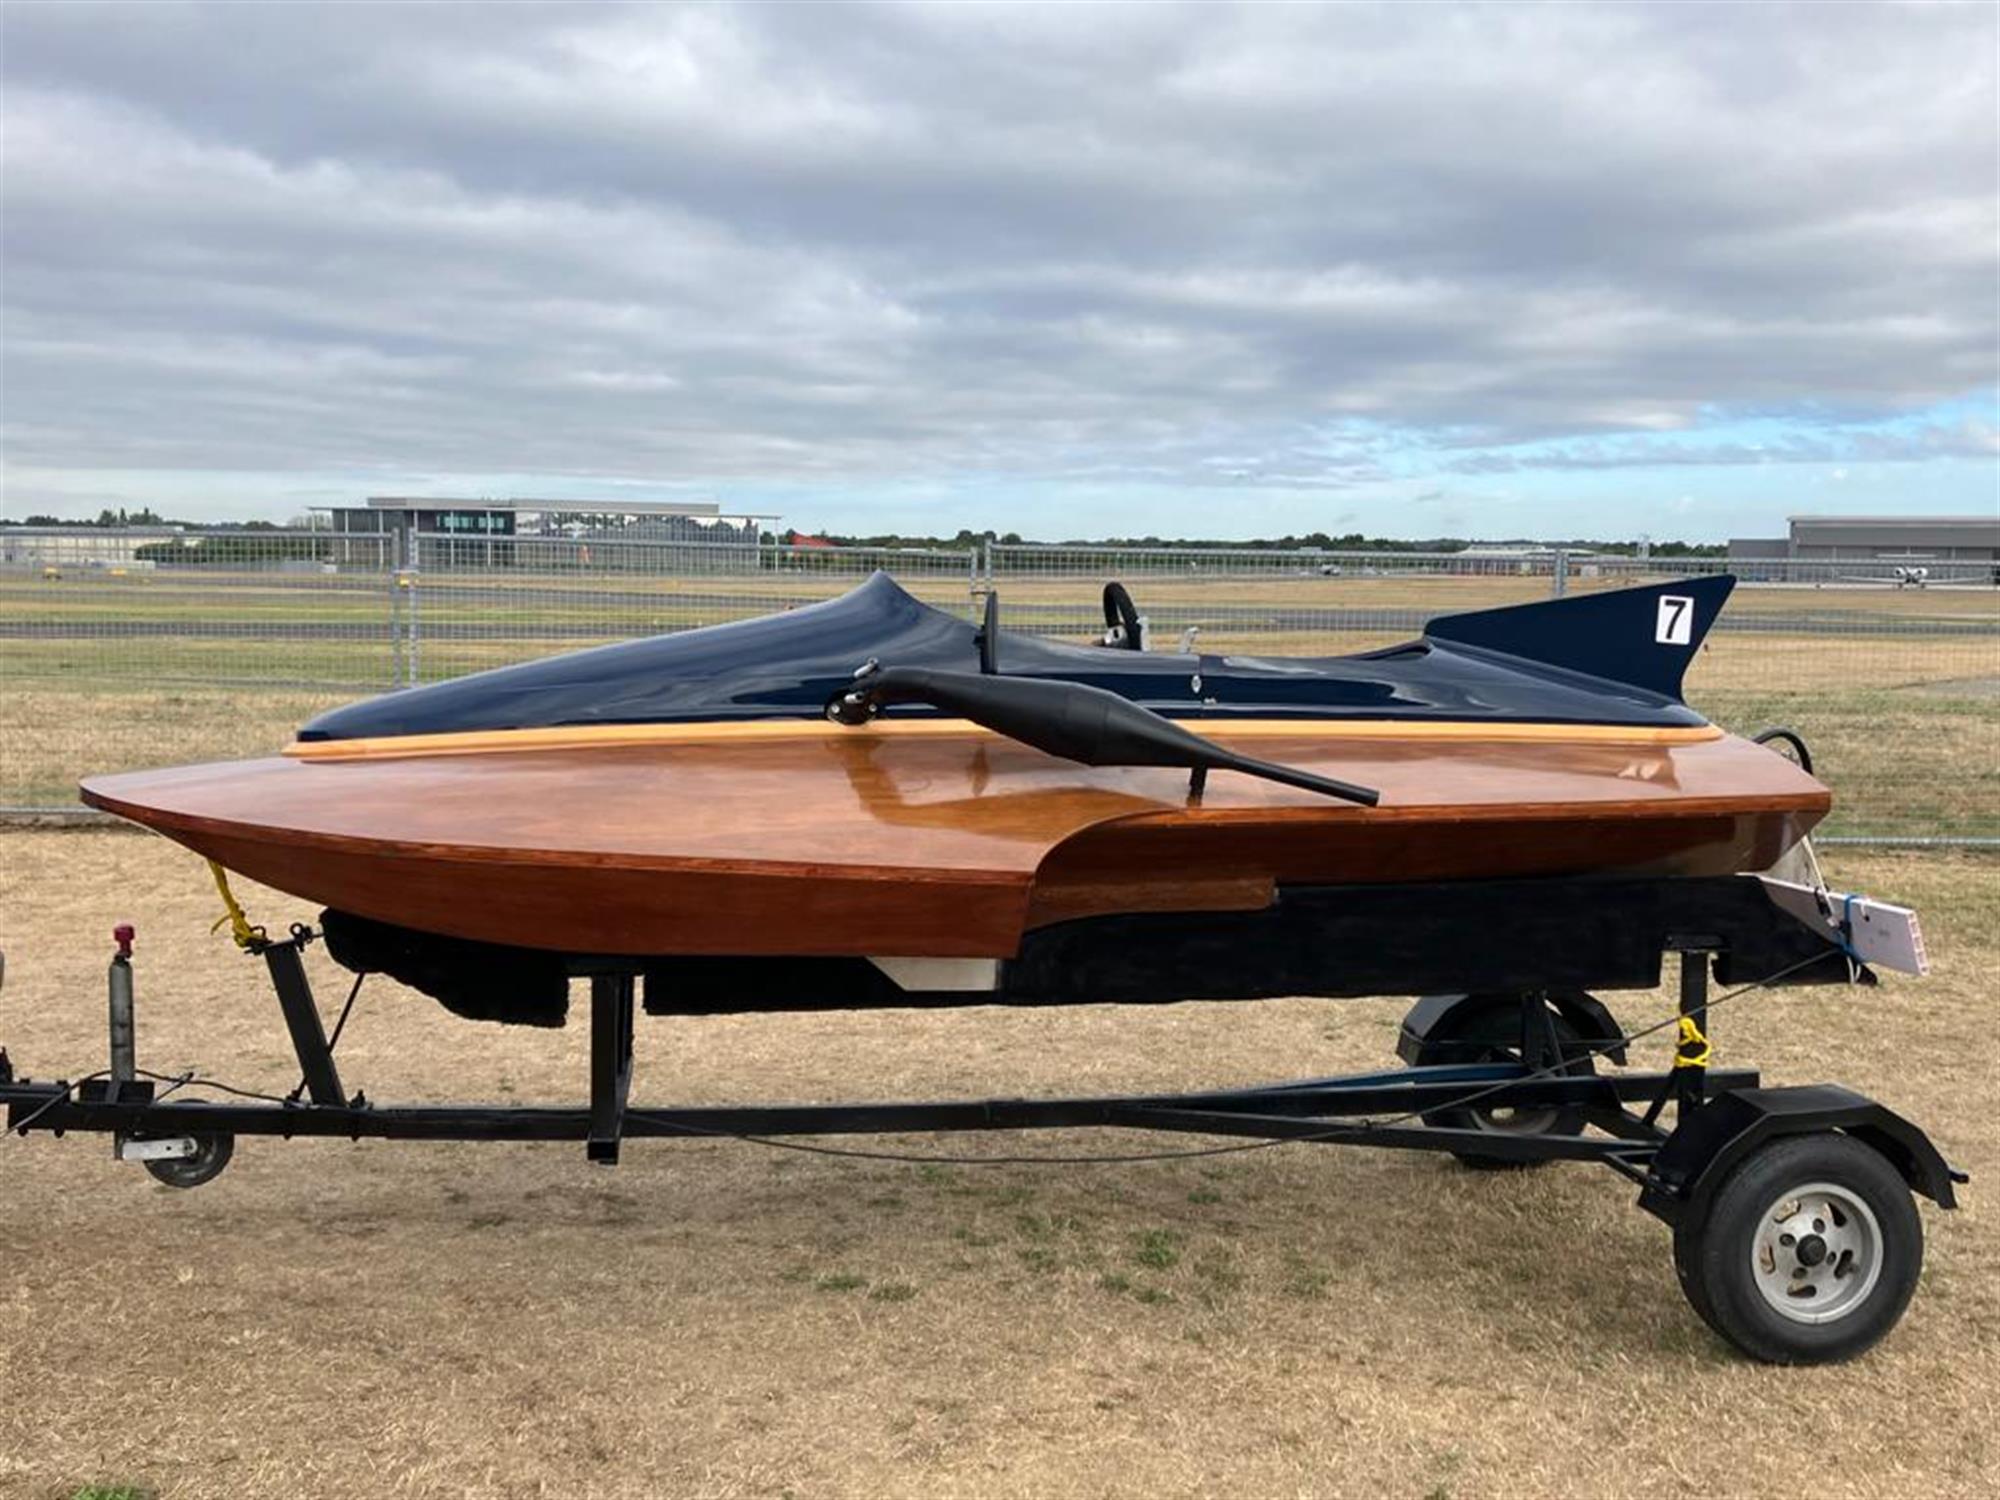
(723, 1319)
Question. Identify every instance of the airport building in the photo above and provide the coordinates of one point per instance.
(81, 546)
(401, 516)
(1533, 559)
(1888, 540)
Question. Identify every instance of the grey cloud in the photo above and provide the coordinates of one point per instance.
(1177, 245)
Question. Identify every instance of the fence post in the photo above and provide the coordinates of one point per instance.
(1560, 576)
(407, 581)
(393, 573)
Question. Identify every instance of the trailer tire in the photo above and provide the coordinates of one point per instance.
(1809, 1252)
(1494, 1031)
(211, 1155)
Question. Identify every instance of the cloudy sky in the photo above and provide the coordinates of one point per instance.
(1536, 269)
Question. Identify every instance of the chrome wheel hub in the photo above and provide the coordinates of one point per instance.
(1817, 1254)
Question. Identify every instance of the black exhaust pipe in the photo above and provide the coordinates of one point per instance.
(1073, 720)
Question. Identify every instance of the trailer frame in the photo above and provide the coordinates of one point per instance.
(1725, 1122)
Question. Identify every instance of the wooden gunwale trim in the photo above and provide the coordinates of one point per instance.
(596, 736)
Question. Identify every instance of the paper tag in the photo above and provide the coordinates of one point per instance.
(1675, 626)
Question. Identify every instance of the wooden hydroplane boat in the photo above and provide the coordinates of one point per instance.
(872, 803)
(872, 776)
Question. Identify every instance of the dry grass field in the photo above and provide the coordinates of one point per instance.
(721, 1319)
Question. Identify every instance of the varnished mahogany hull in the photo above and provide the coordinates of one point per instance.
(880, 843)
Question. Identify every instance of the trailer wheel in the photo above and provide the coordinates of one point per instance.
(1809, 1252)
(211, 1155)
(1492, 1033)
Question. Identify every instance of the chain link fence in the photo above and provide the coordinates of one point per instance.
(131, 648)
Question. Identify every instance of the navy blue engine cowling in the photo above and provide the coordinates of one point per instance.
(1607, 658)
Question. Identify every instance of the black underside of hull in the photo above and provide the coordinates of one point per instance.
(1334, 942)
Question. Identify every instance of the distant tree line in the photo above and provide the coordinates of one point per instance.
(144, 516)
(1352, 541)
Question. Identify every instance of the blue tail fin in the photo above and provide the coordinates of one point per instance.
(1642, 637)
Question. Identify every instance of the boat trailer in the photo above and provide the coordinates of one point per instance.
(1794, 1232)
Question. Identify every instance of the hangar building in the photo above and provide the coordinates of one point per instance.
(1885, 539)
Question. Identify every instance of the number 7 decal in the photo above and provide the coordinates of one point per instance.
(1675, 625)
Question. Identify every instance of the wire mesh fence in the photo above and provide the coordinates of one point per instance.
(464, 608)
(130, 648)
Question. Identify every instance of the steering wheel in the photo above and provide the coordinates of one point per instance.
(1121, 615)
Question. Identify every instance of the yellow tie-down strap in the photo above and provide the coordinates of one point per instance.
(1693, 1049)
(240, 928)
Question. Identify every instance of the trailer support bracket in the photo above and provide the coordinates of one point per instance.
(295, 998)
(610, 1064)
